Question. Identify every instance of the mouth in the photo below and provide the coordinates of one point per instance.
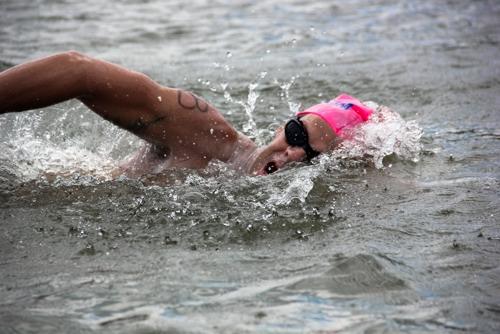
(270, 168)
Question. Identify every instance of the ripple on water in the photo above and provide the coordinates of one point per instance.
(440, 66)
(351, 276)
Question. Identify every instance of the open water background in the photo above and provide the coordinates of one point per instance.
(352, 243)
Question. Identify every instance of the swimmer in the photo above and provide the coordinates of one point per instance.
(181, 129)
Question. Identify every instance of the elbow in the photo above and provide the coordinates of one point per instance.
(79, 66)
(73, 55)
(74, 58)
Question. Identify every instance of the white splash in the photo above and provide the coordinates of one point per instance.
(298, 188)
(35, 158)
(385, 134)
(285, 94)
(250, 127)
(35, 149)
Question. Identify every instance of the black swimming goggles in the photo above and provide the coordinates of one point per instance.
(296, 135)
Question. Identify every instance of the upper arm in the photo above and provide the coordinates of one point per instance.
(125, 97)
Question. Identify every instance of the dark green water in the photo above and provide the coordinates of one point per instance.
(388, 235)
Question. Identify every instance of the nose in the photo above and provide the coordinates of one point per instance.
(294, 153)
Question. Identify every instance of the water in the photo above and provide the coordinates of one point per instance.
(397, 231)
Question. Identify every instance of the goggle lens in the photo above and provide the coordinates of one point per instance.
(296, 135)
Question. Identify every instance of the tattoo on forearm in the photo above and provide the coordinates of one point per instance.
(191, 101)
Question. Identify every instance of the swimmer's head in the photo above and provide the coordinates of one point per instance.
(315, 130)
(298, 140)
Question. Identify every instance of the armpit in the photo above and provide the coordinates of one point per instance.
(148, 159)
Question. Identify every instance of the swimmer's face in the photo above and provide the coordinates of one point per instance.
(279, 152)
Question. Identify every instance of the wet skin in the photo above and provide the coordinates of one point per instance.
(278, 152)
(182, 129)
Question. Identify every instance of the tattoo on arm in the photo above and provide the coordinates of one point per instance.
(191, 101)
(184, 99)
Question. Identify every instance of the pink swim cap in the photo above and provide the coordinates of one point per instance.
(341, 112)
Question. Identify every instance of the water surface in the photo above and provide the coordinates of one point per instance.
(389, 234)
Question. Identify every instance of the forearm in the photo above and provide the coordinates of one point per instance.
(43, 82)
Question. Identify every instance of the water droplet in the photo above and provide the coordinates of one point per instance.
(168, 241)
(102, 232)
(159, 98)
(89, 249)
(229, 54)
(211, 131)
(315, 212)
(268, 51)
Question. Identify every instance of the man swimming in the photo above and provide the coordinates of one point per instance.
(182, 129)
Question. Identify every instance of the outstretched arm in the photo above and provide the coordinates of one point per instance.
(174, 119)
(104, 87)
(42, 82)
